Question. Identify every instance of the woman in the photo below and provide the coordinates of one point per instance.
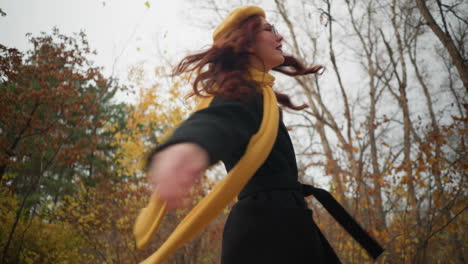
(270, 223)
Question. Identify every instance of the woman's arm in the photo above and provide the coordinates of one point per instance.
(210, 135)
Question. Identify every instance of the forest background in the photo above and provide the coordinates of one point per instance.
(385, 132)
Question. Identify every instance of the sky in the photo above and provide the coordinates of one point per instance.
(129, 32)
(123, 32)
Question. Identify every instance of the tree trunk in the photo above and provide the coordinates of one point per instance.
(447, 41)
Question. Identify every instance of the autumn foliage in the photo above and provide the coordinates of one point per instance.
(72, 158)
(391, 148)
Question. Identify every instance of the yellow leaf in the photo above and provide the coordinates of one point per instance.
(147, 4)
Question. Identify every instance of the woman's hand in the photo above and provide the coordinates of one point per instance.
(174, 170)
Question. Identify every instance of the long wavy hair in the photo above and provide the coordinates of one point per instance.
(221, 69)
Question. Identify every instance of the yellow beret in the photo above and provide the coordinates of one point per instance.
(234, 18)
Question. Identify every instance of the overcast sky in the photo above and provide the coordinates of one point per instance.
(127, 32)
(122, 31)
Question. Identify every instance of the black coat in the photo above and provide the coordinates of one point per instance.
(271, 222)
(224, 129)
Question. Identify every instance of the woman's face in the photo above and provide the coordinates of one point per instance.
(267, 48)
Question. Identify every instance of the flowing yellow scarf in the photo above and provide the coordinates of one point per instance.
(224, 192)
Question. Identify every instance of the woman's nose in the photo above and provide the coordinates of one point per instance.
(279, 37)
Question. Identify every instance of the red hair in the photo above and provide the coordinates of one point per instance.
(220, 69)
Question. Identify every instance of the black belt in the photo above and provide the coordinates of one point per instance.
(344, 219)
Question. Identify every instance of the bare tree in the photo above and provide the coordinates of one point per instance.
(379, 127)
(443, 34)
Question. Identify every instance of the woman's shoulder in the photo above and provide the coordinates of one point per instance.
(243, 109)
(253, 102)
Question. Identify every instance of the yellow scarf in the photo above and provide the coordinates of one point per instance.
(224, 192)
